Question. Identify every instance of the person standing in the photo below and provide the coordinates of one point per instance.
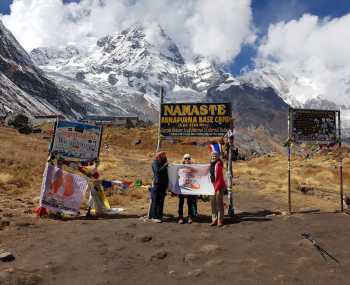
(160, 185)
(191, 199)
(218, 180)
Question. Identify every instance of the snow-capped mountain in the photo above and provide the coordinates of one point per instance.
(24, 87)
(297, 91)
(123, 72)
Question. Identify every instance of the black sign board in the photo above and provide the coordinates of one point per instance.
(314, 126)
(195, 119)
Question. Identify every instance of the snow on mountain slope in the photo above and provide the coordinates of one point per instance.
(297, 91)
(123, 72)
(24, 87)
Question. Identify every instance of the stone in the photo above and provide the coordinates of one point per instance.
(189, 258)
(80, 76)
(159, 254)
(6, 256)
(17, 120)
(209, 249)
(195, 273)
(4, 223)
(136, 142)
(214, 262)
(112, 79)
(143, 238)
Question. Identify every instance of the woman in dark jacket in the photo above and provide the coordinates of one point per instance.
(160, 185)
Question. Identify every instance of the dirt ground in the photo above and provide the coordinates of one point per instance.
(261, 245)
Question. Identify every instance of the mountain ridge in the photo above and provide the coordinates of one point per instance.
(122, 74)
(126, 66)
(25, 88)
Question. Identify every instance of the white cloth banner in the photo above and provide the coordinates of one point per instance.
(190, 179)
(62, 191)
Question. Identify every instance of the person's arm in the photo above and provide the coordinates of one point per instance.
(163, 167)
(155, 169)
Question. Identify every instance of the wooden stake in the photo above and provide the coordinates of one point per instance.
(231, 211)
(340, 166)
(289, 165)
(159, 143)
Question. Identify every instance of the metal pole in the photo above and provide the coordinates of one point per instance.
(160, 116)
(340, 165)
(289, 167)
(231, 211)
(289, 182)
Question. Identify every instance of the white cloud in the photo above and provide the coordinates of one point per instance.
(314, 49)
(216, 29)
(219, 28)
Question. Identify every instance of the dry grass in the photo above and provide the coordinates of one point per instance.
(321, 174)
(22, 161)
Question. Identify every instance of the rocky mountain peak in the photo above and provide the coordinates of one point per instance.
(42, 56)
(126, 69)
(23, 86)
(10, 49)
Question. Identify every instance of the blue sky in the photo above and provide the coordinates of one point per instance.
(266, 12)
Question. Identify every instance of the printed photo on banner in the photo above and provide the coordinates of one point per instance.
(76, 141)
(191, 179)
(62, 191)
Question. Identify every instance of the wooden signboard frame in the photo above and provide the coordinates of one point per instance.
(336, 140)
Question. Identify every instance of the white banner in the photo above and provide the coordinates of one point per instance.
(62, 191)
(190, 179)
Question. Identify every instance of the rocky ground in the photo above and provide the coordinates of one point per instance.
(261, 245)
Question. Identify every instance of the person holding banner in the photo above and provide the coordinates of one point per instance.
(159, 187)
(218, 180)
(191, 199)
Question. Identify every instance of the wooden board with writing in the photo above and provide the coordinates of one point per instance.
(195, 119)
(313, 126)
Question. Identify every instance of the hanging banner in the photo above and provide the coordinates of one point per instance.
(73, 140)
(62, 191)
(313, 126)
(190, 179)
(195, 119)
